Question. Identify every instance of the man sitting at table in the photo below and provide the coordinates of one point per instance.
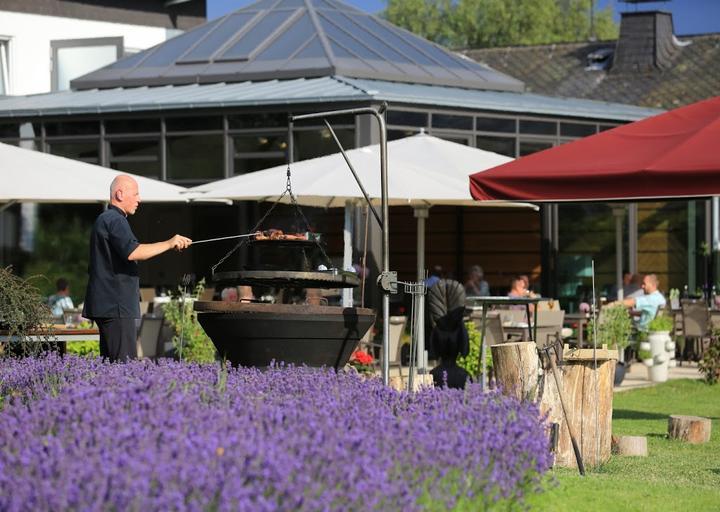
(646, 305)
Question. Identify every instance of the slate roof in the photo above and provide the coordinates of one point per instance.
(560, 70)
(289, 39)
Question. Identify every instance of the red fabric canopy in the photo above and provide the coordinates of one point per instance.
(675, 154)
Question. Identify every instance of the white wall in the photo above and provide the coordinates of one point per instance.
(30, 54)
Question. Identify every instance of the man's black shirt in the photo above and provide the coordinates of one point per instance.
(113, 289)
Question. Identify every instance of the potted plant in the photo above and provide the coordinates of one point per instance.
(662, 347)
(613, 329)
(645, 356)
(674, 298)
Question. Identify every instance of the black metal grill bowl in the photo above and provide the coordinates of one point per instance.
(256, 334)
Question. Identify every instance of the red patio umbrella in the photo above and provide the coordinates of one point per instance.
(674, 154)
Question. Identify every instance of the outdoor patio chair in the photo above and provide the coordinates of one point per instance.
(549, 326)
(696, 329)
(494, 332)
(149, 343)
(147, 294)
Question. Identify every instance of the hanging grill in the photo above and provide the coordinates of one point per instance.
(256, 334)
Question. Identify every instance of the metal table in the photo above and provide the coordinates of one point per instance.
(504, 301)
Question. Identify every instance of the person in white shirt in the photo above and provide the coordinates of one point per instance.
(61, 300)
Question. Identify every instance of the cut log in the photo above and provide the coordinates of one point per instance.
(693, 429)
(630, 446)
(518, 373)
(589, 395)
(517, 369)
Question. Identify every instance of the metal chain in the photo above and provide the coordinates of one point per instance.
(293, 200)
(288, 190)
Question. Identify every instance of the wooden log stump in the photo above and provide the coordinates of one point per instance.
(630, 446)
(516, 367)
(589, 394)
(521, 373)
(693, 429)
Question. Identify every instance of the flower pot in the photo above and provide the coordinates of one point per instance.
(644, 345)
(658, 372)
(620, 370)
(648, 362)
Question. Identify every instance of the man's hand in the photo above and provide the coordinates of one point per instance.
(179, 242)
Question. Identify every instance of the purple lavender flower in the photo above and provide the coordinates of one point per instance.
(80, 434)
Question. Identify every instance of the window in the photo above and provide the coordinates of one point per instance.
(136, 156)
(73, 58)
(4, 67)
(195, 157)
(257, 152)
(503, 145)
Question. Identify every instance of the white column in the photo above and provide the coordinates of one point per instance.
(619, 213)
(347, 294)
(421, 213)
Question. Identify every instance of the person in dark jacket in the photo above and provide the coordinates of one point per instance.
(112, 299)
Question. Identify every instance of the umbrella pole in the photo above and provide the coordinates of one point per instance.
(421, 213)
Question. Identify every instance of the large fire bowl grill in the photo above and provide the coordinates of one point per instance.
(251, 334)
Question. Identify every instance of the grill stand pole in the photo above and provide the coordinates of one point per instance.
(387, 280)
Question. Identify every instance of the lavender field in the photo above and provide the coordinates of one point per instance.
(80, 434)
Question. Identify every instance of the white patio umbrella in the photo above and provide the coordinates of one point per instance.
(422, 171)
(29, 176)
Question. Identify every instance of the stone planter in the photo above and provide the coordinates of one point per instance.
(659, 343)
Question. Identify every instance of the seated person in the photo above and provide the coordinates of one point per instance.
(646, 305)
(635, 288)
(518, 288)
(476, 286)
(436, 275)
(60, 301)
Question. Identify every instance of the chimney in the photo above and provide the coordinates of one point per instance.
(646, 42)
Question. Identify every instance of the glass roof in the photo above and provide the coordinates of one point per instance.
(283, 39)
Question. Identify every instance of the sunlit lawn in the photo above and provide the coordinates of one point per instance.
(675, 476)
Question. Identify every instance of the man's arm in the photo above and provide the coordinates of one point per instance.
(628, 303)
(146, 251)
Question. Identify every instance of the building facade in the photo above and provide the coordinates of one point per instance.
(214, 102)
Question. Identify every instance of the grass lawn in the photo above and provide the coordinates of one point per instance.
(675, 475)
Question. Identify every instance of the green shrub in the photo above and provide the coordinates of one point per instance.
(710, 363)
(470, 362)
(615, 328)
(661, 323)
(23, 312)
(87, 348)
(190, 341)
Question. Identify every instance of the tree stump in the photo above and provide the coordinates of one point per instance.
(517, 369)
(693, 429)
(631, 446)
(520, 372)
(588, 395)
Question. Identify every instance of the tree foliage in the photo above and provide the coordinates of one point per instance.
(488, 23)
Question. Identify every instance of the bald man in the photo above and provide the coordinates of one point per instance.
(647, 304)
(113, 291)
